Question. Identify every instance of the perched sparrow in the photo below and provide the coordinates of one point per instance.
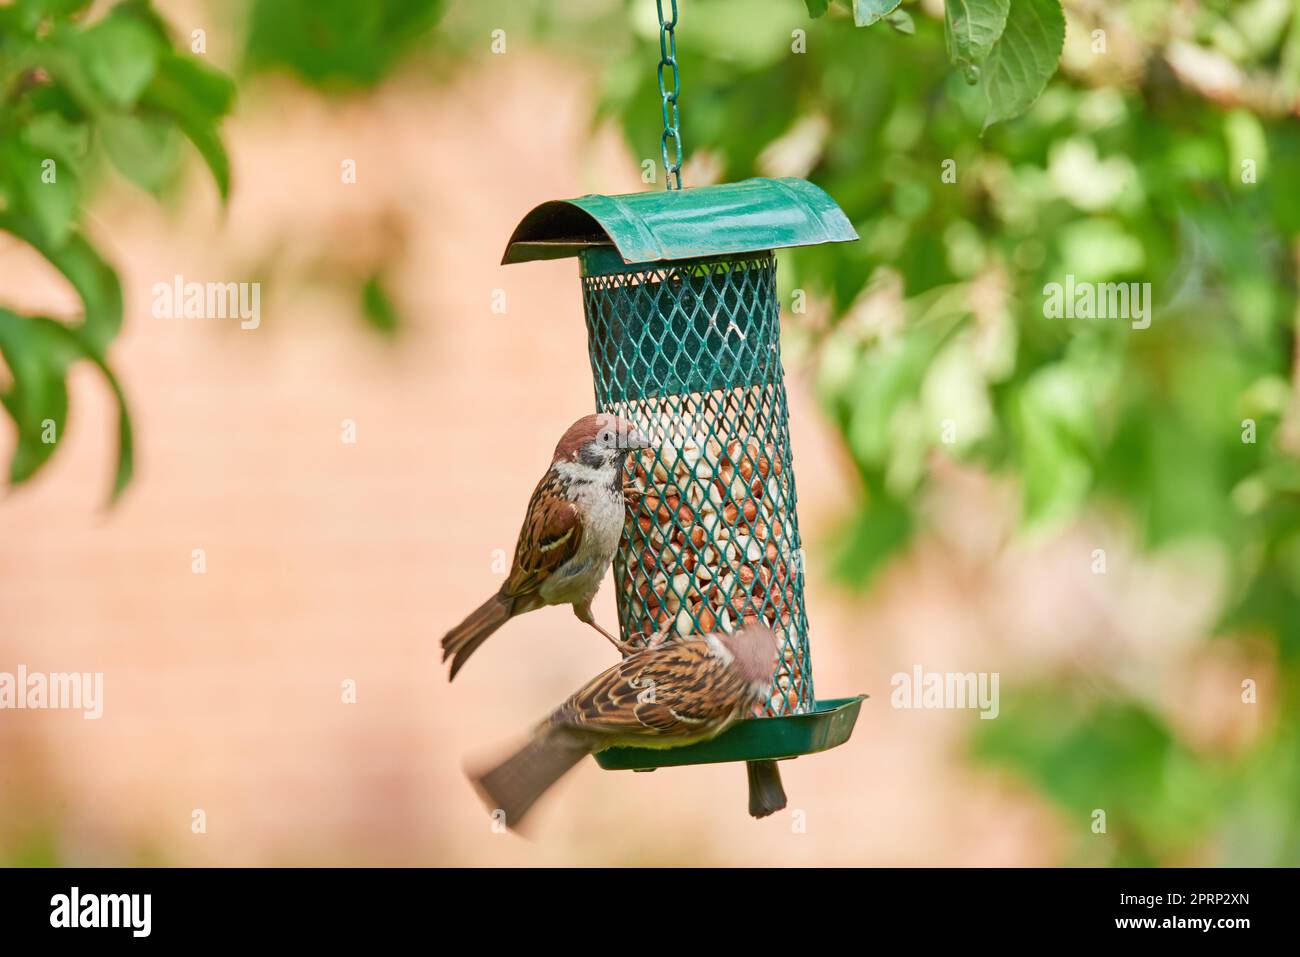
(661, 697)
(573, 526)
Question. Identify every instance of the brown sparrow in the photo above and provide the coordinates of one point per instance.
(664, 696)
(572, 528)
(766, 793)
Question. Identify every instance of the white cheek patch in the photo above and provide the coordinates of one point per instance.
(577, 472)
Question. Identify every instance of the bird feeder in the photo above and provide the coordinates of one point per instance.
(683, 326)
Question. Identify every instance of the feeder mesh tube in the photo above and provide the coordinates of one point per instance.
(690, 352)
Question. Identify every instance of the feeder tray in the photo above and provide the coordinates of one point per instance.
(683, 326)
(827, 726)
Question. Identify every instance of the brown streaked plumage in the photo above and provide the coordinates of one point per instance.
(570, 531)
(662, 697)
(766, 793)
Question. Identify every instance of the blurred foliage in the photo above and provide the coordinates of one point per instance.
(340, 47)
(337, 43)
(377, 306)
(73, 90)
(77, 90)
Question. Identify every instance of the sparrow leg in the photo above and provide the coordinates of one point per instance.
(584, 615)
(632, 498)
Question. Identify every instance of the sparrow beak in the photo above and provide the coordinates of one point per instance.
(636, 439)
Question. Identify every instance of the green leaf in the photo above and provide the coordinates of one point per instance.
(902, 21)
(817, 8)
(47, 192)
(50, 135)
(97, 285)
(340, 43)
(50, 8)
(39, 351)
(207, 141)
(196, 98)
(142, 148)
(1024, 58)
(93, 279)
(209, 89)
(27, 15)
(125, 438)
(887, 378)
(867, 12)
(54, 205)
(121, 55)
(125, 467)
(61, 56)
(37, 400)
(377, 306)
(971, 28)
(1057, 431)
(880, 529)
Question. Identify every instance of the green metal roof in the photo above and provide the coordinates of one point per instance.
(742, 217)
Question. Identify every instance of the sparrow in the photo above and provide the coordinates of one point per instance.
(766, 793)
(572, 528)
(664, 696)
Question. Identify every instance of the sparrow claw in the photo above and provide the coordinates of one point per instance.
(624, 647)
(630, 647)
(660, 637)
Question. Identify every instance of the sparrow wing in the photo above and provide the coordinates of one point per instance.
(678, 689)
(551, 535)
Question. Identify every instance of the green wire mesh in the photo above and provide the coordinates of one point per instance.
(690, 352)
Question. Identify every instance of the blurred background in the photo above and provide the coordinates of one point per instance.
(1112, 525)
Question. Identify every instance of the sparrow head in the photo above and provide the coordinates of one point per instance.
(599, 440)
(754, 654)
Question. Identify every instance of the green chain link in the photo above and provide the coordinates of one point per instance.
(668, 58)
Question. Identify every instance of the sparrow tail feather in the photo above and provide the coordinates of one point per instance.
(462, 641)
(515, 784)
(766, 796)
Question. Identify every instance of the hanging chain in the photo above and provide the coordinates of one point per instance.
(668, 58)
